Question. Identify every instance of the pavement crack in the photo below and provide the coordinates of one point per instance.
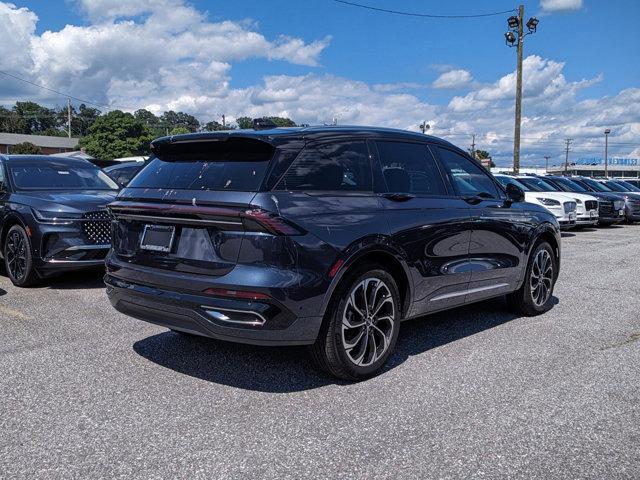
(634, 337)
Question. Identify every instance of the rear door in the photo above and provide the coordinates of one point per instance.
(498, 239)
(328, 191)
(429, 223)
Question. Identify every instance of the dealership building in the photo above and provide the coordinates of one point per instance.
(48, 145)
(594, 167)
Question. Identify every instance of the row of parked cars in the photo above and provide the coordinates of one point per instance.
(321, 236)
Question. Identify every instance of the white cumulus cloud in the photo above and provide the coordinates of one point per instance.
(560, 5)
(452, 79)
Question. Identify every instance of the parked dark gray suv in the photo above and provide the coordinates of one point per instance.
(324, 236)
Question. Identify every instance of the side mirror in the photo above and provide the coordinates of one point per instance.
(515, 193)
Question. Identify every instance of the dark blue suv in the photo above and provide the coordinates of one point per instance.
(322, 236)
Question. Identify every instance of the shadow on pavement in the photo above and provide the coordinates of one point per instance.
(288, 369)
(2, 292)
(83, 279)
(567, 234)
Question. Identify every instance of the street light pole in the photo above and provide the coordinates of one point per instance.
(516, 134)
(606, 152)
(515, 38)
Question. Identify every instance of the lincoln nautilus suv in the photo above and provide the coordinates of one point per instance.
(322, 236)
(53, 216)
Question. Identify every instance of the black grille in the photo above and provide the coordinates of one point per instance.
(606, 206)
(591, 205)
(97, 227)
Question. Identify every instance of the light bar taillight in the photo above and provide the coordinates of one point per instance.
(270, 222)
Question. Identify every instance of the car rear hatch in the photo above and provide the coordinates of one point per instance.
(188, 210)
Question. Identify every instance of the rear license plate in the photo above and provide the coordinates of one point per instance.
(157, 238)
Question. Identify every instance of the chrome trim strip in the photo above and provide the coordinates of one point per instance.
(79, 262)
(446, 296)
(87, 247)
(178, 220)
(223, 318)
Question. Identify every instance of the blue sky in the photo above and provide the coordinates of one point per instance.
(585, 63)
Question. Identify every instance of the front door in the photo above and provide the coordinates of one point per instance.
(498, 238)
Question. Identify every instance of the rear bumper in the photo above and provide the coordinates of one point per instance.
(240, 321)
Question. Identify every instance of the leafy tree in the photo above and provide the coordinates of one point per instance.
(25, 148)
(81, 122)
(281, 121)
(179, 131)
(215, 127)
(115, 135)
(152, 121)
(173, 119)
(35, 118)
(10, 121)
(482, 154)
(244, 122)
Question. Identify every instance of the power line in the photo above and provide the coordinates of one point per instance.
(54, 91)
(423, 15)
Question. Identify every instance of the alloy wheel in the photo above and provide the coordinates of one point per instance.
(541, 277)
(368, 321)
(16, 254)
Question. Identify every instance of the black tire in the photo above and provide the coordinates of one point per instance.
(18, 258)
(330, 353)
(524, 300)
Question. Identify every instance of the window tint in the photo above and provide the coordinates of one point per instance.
(331, 166)
(410, 168)
(467, 177)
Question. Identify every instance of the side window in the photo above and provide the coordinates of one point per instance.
(410, 168)
(335, 166)
(467, 177)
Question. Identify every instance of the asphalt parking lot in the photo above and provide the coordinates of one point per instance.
(477, 392)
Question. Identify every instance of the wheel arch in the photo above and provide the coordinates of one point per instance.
(389, 257)
(8, 222)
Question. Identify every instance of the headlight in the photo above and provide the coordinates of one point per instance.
(549, 202)
(58, 218)
(578, 201)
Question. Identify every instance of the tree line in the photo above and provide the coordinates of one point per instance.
(110, 135)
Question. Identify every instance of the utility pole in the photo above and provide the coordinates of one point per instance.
(546, 163)
(567, 141)
(606, 152)
(473, 145)
(223, 121)
(424, 127)
(515, 38)
(516, 134)
(69, 115)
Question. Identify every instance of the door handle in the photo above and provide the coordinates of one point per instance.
(398, 197)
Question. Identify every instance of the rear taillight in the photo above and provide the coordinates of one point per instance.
(261, 220)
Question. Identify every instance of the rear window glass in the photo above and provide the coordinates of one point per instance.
(334, 166)
(236, 164)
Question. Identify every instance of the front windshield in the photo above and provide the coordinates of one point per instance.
(59, 176)
(538, 185)
(597, 186)
(617, 186)
(504, 181)
(567, 185)
(630, 186)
